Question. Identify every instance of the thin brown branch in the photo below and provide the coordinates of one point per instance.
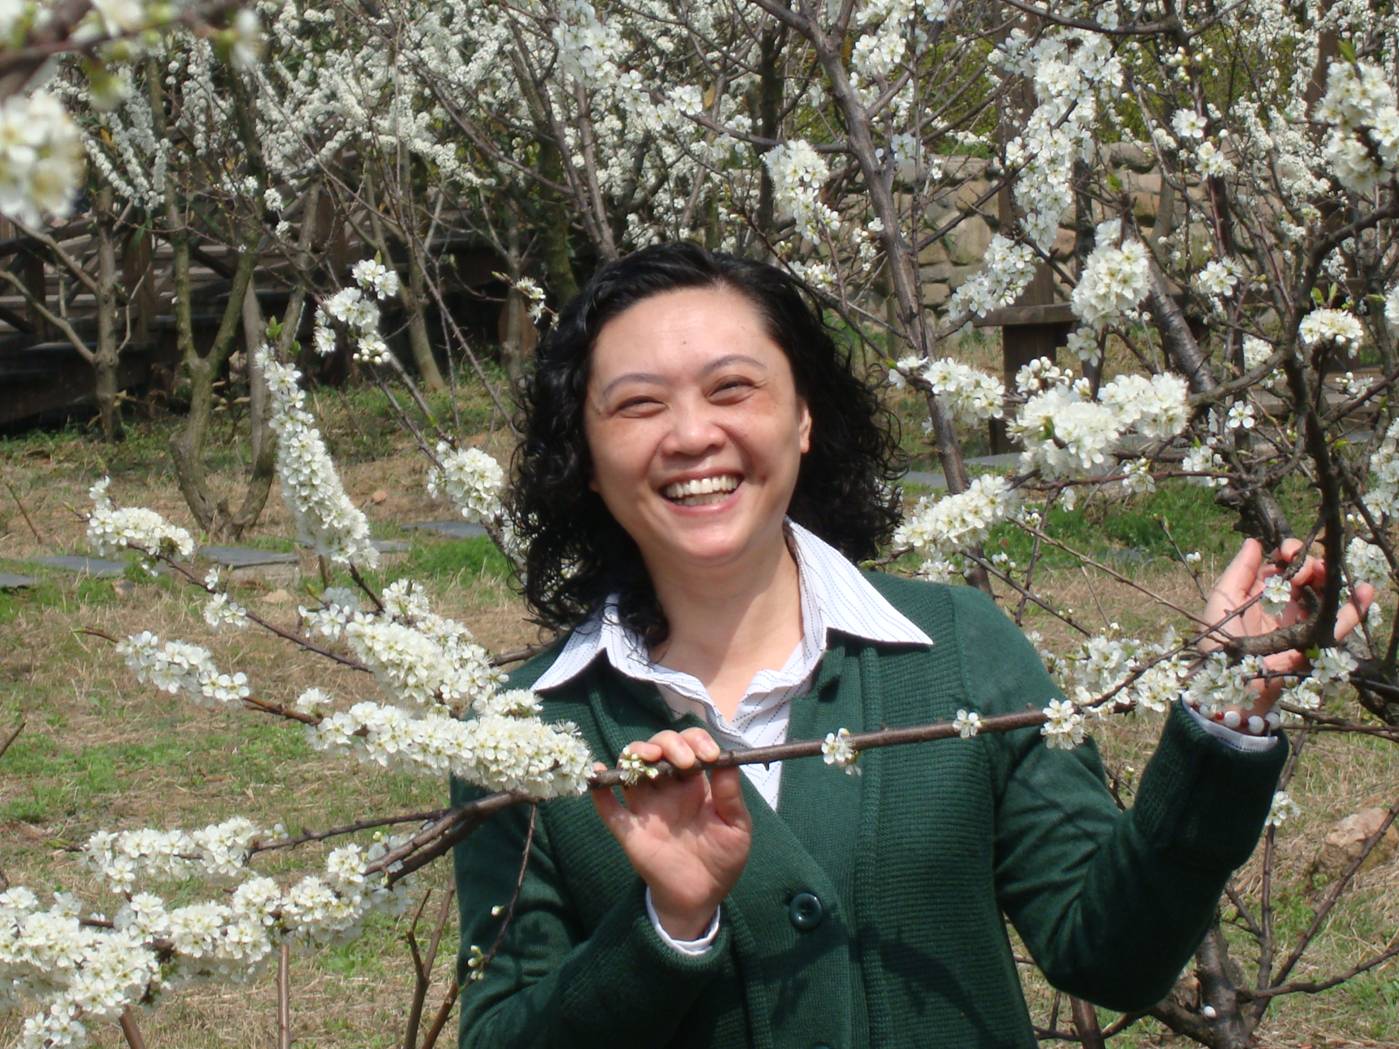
(347, 828)
(284, 997)
(14, 734)
(1315, 986)
(24, 513)
(439, 1021)
(130, 1031)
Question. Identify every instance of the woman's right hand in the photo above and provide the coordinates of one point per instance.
(686, 836)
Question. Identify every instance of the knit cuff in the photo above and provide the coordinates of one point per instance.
(630, 952)
(1203, 799)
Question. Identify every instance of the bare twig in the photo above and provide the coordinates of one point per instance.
(284, 997)
(130, 1031)
(14, 734)
(423, 966)
(24, 513)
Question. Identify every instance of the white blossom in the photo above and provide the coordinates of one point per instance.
(469, 478)
(967, 723)
(1115, 279)
(954, 523)
(1366, 563)
(112, 530)
(1063, 729)
(326, 520)
(1338, 326)
(1281, 808)
(1277, 593)
(41, 158)
(372, 276)
(837, 750)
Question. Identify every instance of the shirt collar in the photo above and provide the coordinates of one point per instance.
(835, 595)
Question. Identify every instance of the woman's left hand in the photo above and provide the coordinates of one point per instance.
(1243, 581)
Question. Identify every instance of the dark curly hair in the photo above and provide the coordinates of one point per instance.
(576, 553)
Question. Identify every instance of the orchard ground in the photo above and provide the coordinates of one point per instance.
(99, 751)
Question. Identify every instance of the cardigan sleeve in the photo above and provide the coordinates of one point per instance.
(1111, 904)
(552, 983)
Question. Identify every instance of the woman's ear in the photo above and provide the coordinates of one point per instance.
(804, 428)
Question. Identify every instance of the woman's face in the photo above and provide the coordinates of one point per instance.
(695, 429)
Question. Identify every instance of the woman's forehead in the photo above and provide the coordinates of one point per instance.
(683, 330)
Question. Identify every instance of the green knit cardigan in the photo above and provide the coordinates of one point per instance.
(870, 910)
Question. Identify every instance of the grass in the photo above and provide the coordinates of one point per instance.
(98, 751)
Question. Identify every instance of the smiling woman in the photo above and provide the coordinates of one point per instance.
(577, 551)
(700, 468)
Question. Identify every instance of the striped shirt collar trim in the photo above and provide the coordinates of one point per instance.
(834, 595)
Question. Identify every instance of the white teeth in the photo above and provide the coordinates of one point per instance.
(701, 486)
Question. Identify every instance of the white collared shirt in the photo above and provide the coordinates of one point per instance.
(834, 596)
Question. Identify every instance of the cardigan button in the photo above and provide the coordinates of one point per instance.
(806, 911)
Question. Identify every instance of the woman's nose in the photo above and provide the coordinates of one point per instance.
(694, 429)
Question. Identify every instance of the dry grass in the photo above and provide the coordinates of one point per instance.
(98, 751)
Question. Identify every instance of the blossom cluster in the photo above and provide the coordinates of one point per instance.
(41, 158)
(326, 520)
(798, 173)
(1333, 326)
(356, 310)
(1063, 726)
(469, 478)
(80, 971)
(937, 529)
(1115, 279)
(112, 529)
(1382, 495)
(495, 751)
(419, 658)
(1065, 432)
(126, 858)
(180, 667)
(970, 394)
(1006, 271)
(1360, 108)
(837, 750)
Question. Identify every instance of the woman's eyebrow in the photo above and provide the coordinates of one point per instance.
(732, 358)
(647, 377)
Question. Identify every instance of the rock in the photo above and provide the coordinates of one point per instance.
(959, 274)
(1345, 840)
(1130, 156)
(1144, 207)
(935, 294)
(277, 597)
(379, 496)
(967, 244)
(934, 254)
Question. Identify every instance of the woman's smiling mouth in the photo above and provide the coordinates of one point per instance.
(702, 491)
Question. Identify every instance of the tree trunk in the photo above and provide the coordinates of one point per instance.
(517, 334)
(562, 282)
(418, 341)
(105, 359)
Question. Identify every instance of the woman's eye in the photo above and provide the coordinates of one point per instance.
(637, 404)
(735, 385)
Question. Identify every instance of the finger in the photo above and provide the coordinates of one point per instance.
(645, 749)
(1353, 611)
(1242, 573)
(1288, 550)
(1312, 575)
(726, 788)
(614, 817)
(702, 743)
(675, 749)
